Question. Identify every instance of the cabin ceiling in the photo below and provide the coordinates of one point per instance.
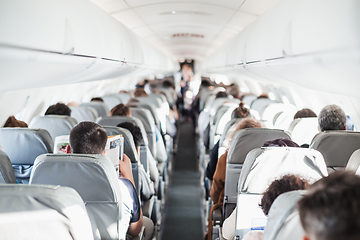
(186, 29)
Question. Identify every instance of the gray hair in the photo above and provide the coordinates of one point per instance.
(332, 117)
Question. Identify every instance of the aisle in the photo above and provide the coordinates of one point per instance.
(183, 219)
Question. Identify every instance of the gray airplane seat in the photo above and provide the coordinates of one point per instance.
(7, 174)
(115, 120)
(283, 219)
(83, 113)
(145, 116)
(101, 108)
(23, 145)
(42, 212)
(242, 143)
(56, 125)
(111, 101)
(273, 109)
(227, 134)
(336, 147)
(248, 99)
(260, 104)
(354, 162)
(261, 167)
(94, 177)
(303, 130)
(122, 96)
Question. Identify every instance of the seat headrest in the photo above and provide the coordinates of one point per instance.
(115, 120)
(83, 113)
(83, 172)
(303, 130)
(129, 145)
(354, 161)
(111, 101)
(246, 140)
(23, 145)
(336, 146)
(42, 211)
(283, 219)
(7, 174)
(259, 104)
(101, 108)
(56, 125)
(263, 165)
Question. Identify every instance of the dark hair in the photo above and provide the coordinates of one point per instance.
(280, 142)
(168, 84)
(140, 92)
(221, 95)
(285, 184)
(304, 113)
(135, 132)
(88, 138)
(13, 122)
(263, 95)
(58, 109)
(240, 112)
(234, 91)
(120, 110)
(331, 208)
(132, 102)
(332, 117)
(97, 99)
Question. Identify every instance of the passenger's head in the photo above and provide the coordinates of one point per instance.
(248, 123)
(97, 99)
(331, 208)
(280, 142)
(263, 95)
(88, 138)
(240, 112)
(304, 113)
(140, 92)
(282, 185)
(58, 109)
(221, 95)
(234, 91)
(135, 132)
(332, 117)
(13, 122)
(120, 110)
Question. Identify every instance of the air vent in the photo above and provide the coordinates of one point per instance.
(187, 35)
(185, 13)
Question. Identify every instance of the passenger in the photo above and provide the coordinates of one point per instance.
(331, 208)
(140, 92)
(120, 110)
(97, 99)
(332, 117)
(217, 188)
(234, 91)
(147, 187)
(263, 95)
(91, 138)
(304, 113)
(73, 104)
(13, 122)
(239, 112)
(58, 109)
(279, 186)
(280, 142)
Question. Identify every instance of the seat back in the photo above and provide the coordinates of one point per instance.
(115, 120)
(354, 162)
(303, 130)
(101, 108)
(283, 120)
(262, 166)
(336, 146)
(123, 97)
(83, 113)
(23, 145)
(94, 178)
(111, 101)
(56, 125)
(43, 212)
(145, 116)
(248, 99)
(7, 174)
(283, 219)
(242, 143)
(260, 104)
(270, 111)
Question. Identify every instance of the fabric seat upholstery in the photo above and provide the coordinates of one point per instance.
(7, 174)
